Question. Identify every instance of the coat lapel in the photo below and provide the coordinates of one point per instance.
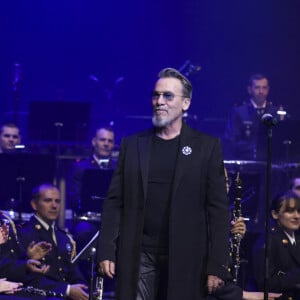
(184, 156)
(144, 146)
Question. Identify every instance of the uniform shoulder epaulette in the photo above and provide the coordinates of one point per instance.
(72, 241)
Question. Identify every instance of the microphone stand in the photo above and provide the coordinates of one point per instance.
(92, 266)
(269, 125)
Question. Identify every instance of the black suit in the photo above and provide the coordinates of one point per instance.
(284, 264)
(198, 203)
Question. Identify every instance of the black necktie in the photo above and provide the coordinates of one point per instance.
(52, 234)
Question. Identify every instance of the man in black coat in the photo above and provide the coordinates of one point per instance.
(62, 276)
(167, 206)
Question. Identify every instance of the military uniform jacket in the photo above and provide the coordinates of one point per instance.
(284, 264)
(59, 259)
(12, 257)
(242, 129)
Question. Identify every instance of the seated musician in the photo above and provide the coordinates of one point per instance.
(15, 264)
(284, 255)
(88, 211)
(230, 290)
(103, 144)
(62, 275)
(9, 137)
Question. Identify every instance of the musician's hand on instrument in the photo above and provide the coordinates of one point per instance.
(213, 283)
(37, 267)
(77, 292)
(4, 230)
(107, 267)
(38, 250)
(238, 227)
(9, 287)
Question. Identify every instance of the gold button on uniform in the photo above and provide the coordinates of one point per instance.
(12, 250)
(59, 257)
(60, 269)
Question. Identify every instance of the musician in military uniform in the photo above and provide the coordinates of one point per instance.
(103, 144)
(64, 275)
(243, 125)
(284, 254)
(16, 264)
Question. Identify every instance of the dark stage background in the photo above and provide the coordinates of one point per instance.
(108, 53)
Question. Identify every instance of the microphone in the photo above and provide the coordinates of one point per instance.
(268, 120)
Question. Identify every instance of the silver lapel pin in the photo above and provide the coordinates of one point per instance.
(187, 150)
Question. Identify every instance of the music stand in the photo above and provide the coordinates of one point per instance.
(21, 172)
(285, 142)
(88, 253)
(70, 118)
(95, 184)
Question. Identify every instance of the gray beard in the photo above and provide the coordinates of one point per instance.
(159, 123)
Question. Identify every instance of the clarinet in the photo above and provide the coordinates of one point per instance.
(46, 293)
(99, 288)
(236, 238)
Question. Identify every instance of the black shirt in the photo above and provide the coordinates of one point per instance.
(160, 179)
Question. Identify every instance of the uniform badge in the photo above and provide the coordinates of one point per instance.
(68, 247)
(187, 150)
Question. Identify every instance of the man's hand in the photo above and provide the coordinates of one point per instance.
(107, 267)
(77, 292)
(213, 283)
(9, 287)
(4, 229)
(38, 250)
(37, 267)
(238, 227)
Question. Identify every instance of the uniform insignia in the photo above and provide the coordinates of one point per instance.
(68, 247)
(38, 226)
(186, 150)
(285, 242)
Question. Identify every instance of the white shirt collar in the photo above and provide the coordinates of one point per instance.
(44, 224)
(255, 105)
(102, 162)
(291, 237)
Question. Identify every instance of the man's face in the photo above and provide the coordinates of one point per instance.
(296, 186)
(259, 90)
(288, 216)
(9, 137)
(103, 143)
(168, 102)
(47, 207)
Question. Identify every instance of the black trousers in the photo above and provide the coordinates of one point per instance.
(153, 277)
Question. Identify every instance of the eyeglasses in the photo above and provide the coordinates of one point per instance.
(166, 95)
